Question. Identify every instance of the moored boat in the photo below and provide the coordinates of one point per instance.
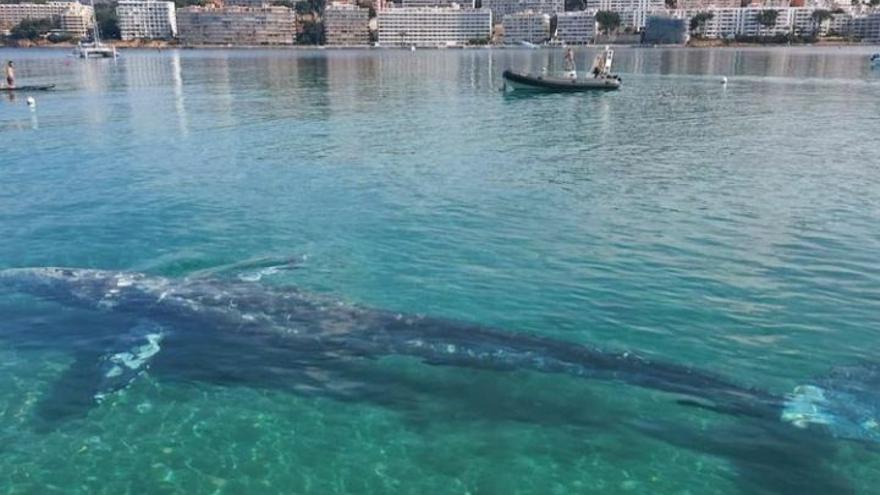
(599, 78)
(875, 60)
(94, 48)
(516, 81)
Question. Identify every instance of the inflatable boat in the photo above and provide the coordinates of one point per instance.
(600, 77)
(515, 81)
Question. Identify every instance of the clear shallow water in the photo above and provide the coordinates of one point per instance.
(733, 229)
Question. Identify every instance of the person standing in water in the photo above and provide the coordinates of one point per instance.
(10, 74)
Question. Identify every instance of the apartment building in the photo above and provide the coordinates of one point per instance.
(576, 28)
(501, 8)
(146, 20)
(431, 26)
(346, 24)
(236, 25)
(531, 27)
(72, 17)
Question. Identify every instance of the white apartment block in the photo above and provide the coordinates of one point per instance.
(707, 4)
(802, 21)
(532, 27)
(437, 3)
(543, 6)
(624, 5)
(236, 25)
(246, 3)
(576, 28)
(843, 22)
(781, 4)
(633, 13)
(346, 24)
(146, 20)
(433, 26)
(637, 19)
(866, 27)
(729, 23)
(73, 17)
(501, 8)
(803, 24)
(77, 20)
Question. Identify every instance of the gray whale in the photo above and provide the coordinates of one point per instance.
(181, 325)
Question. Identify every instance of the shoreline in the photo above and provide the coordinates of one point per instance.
(124, 46)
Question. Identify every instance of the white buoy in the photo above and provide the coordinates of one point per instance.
(31, 102)
(724, 80)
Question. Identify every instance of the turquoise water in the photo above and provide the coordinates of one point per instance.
(732, 228)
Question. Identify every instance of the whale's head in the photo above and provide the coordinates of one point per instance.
(70, 286)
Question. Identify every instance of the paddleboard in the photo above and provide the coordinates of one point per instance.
(44, 87)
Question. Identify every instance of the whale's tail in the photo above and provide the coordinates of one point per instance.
(846, 403)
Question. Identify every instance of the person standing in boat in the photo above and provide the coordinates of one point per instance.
(570, 68)
(10, 74)
(599, 65)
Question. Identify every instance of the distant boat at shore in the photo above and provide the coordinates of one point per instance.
(94, 48)
(875, 60)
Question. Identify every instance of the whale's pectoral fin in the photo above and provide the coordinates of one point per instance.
(95, 374)
(129, 359)
(72, 395)
(253, 270)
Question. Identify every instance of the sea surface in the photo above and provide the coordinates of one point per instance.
(733, 228)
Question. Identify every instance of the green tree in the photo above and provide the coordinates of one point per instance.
(671, 4)
(698, 22)
(310, 6)
(108, 22)
(819, 17)
(179, 4)
(312, 33)
(312, 30)
(31, 29)
(767, 18)
(608, 21)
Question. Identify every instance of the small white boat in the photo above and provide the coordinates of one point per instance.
(95, 49)
(875, 60)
